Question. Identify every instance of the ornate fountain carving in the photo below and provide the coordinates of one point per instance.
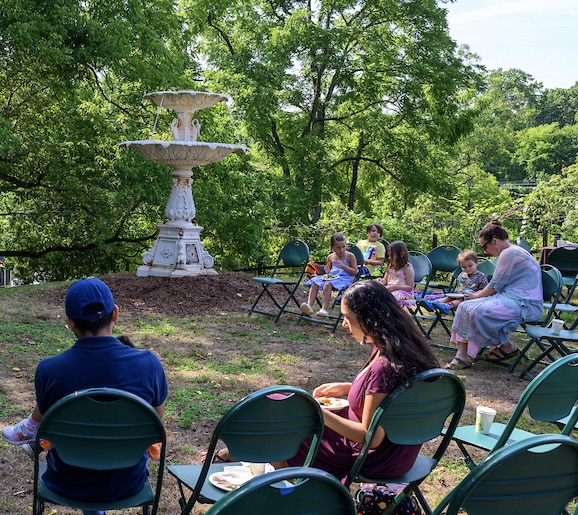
(178, 250)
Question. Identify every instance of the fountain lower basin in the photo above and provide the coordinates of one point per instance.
(184, 153)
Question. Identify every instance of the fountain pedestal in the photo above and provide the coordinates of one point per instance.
(178, 250)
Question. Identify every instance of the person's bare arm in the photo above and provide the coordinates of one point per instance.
(356, 431)
(160, 410)
(486, 292)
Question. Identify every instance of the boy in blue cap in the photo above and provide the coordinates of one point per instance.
(97, 359)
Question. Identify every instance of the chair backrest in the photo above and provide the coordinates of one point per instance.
(422, 267)
(266, 426)
(552, 283)
(550, 396)
(294, 254)
(564, 259)
(536, 476)
(487, 267)
(444, 258)
(356, 251)
(521, 242)
(417, 413)
(384, 242)
(102, 429)
(314, 492)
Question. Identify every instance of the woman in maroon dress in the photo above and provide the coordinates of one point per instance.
(398, 352)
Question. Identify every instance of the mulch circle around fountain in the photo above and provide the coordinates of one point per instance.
(181, 297)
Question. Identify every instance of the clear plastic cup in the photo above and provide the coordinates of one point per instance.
(557, 325)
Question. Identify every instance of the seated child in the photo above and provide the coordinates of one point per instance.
(373, 250)
(470, 280)
(399, 274)
(340, 270)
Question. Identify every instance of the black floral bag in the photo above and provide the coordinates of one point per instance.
(372, 499)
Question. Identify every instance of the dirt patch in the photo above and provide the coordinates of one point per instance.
(180, 297)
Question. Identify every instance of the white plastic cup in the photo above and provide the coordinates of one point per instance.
(257, 469)
(557, 325)
(484, 419)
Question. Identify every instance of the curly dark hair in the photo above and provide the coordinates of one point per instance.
(392, 330)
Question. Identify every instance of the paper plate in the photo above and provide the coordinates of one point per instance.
(455, 295)
(333, 403)
(232, 477)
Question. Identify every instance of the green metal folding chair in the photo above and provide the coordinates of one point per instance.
(266, 426)
(100, 429)
(288, 491)
(538, 476)
(565, 259)
(285, 278)
(487, 266)
(549, 397)
(422, 274)
(414, 415)
(521, 242)
(444, 260)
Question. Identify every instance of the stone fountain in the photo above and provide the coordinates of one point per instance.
(178, 250)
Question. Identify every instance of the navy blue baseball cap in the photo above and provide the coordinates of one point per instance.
(88, 299)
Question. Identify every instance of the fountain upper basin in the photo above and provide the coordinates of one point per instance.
(184, 153)
(185, 99)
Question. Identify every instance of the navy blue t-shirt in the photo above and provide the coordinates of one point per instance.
(94, 362)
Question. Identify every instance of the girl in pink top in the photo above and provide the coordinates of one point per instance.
(399, 274)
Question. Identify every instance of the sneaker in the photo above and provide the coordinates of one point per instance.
(322, 313)
(19, 434)
(444, 307)
(427, 304)
(307, 309)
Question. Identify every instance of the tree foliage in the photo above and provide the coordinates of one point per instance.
(72, 74)
(356, 111)
(340, 98)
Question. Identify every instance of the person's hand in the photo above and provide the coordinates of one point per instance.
(470, 295)
(332, 390)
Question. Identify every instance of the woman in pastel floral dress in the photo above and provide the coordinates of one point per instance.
(513, 296)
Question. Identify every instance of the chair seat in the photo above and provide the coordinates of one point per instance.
(469, 436)
(420, 470)
(562, 308)
(535, 331)
(189, 475)
(145, 496)
(272, 280)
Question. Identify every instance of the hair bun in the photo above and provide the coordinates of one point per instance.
(495, 221)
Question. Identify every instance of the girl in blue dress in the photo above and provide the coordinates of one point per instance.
(340, 270)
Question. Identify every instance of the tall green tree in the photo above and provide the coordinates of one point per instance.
(342, 98)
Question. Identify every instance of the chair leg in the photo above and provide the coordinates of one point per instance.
(422, 501)
(256, 301)
(467, 457)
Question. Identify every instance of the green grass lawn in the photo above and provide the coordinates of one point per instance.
(211, 361)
